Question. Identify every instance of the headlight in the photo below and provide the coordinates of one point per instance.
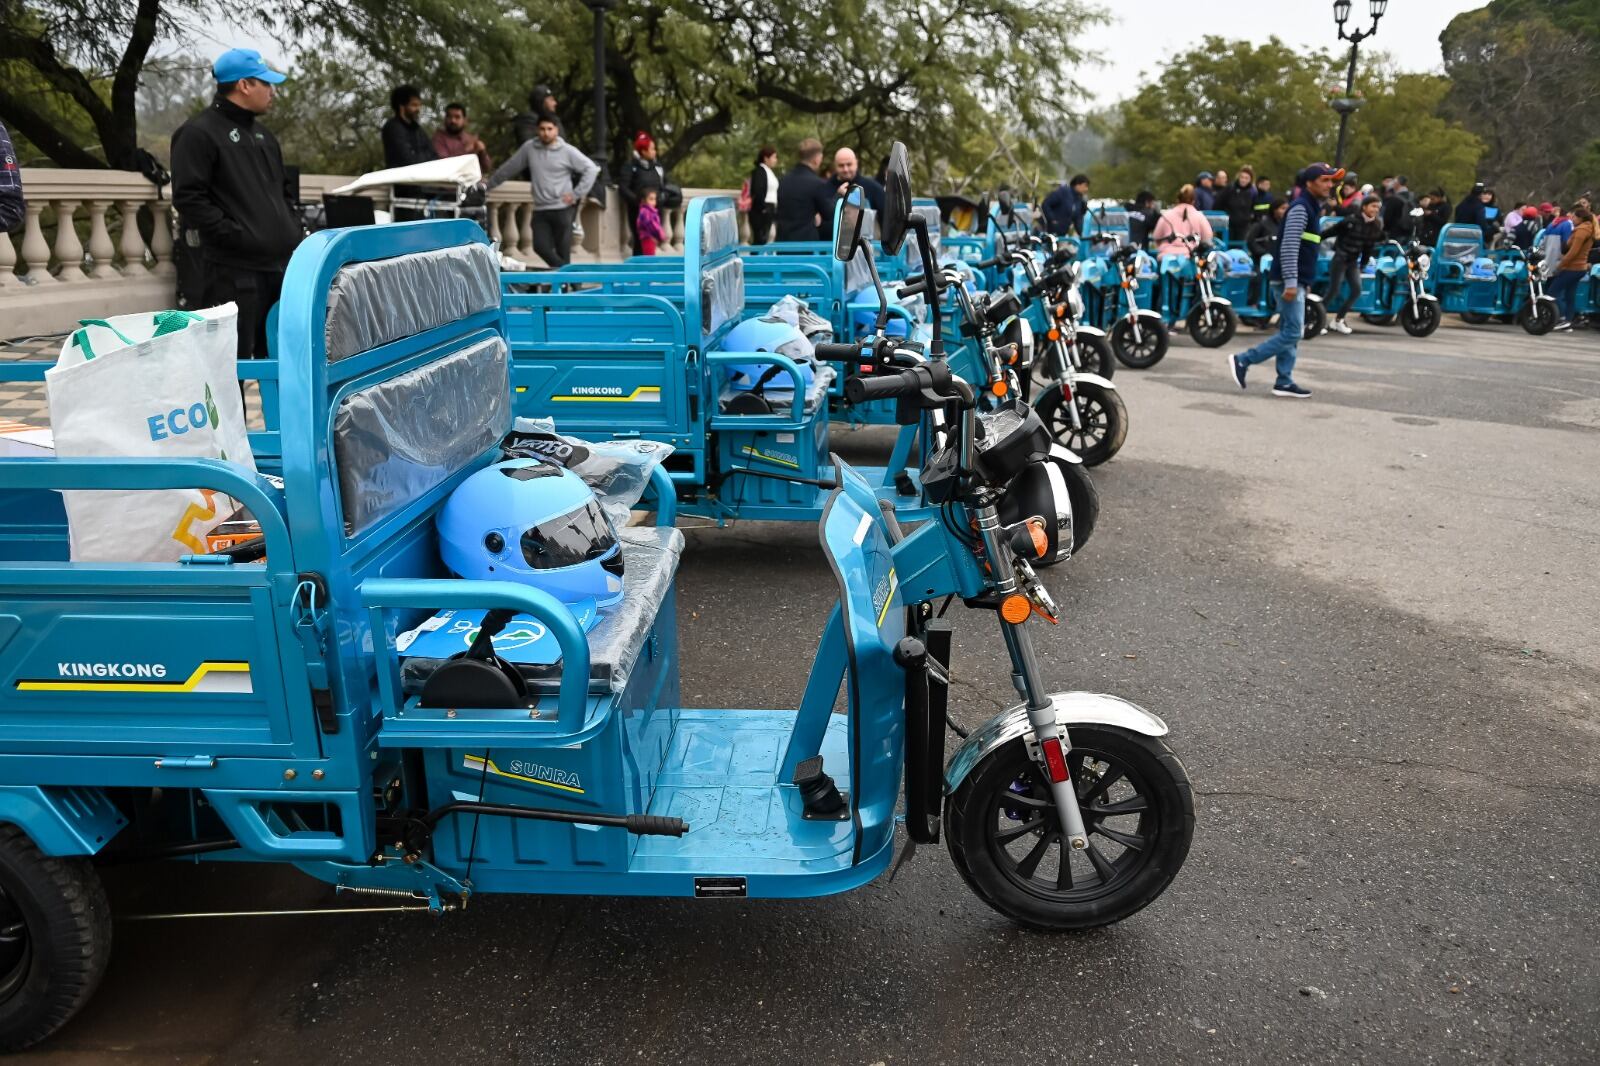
(1424, 262)
(1020, 333)
(1075, 301)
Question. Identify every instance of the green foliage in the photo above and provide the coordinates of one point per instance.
(1224, 103)
(1525, 77)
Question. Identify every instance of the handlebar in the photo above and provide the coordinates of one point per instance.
(915, 285)
(838, 353)
(933, 382)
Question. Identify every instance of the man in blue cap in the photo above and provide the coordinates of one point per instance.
(1294, 267)
(234, 198)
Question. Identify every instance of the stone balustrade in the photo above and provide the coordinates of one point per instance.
(48, 284)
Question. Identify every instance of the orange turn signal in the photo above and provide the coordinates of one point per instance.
(1054, 334)
(1000, 387)
(1016, 608)
(1041, 540)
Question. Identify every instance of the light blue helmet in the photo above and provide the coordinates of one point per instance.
(530, 521)
(769, 335)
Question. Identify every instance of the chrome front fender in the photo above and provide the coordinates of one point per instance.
(1092, 331)
(1145, 312)
(1095, 379)
(1072, 708)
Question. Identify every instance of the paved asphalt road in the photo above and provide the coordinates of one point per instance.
(1369, 618)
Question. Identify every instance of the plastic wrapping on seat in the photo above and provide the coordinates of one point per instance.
(909, 252)
(857, 274)
(721, 294)
(718, 230)
(650, 562)
(373, 303)
(395, 440)
(618, 471)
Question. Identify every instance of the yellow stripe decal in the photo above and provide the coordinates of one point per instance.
(894, 583)
(634, 395)
(475, 762)
(756, 453)
(136, 686)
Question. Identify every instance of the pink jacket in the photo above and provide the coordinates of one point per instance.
(1181, 220)
(649, 222)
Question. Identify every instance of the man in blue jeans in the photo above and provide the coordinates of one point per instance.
(1294, 267)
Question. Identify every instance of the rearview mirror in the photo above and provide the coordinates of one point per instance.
(847, 227)
(1004, 198)
(896, 200)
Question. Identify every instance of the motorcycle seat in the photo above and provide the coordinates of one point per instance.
(650, 557)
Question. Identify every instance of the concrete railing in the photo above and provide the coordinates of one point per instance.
(92, 259)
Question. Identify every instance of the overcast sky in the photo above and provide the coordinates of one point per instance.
(1144, 33)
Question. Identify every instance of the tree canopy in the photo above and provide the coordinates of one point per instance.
(1525, 76)
(1224, 103)
(709, 79)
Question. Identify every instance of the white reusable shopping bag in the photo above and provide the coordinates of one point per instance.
(149, 385)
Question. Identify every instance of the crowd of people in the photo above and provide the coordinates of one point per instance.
(799, 205)
(1367, 215)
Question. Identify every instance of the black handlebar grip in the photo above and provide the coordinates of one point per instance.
(988, 263)
(882, 387)
(914, 287)
(838, 353)
(656, 825)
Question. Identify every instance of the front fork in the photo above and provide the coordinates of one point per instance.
(1064, 377)
(1025, 677)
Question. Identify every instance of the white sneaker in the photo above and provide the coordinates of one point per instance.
(1339, 325)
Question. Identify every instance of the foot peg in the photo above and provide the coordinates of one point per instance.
(819, 796)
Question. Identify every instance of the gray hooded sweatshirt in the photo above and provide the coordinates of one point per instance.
(553, 169)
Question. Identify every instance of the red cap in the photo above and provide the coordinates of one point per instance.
(642, 141)
(1546, 207)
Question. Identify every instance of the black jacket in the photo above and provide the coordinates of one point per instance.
(870, 188)
(229, 183)
(1239, 202)
(803, 197)
(1396, 215)
(641, 175)
(1357, 236)
(405, 143)
(1262, 236)
(1140, 222)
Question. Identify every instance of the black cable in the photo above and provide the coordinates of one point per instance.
(472, 847)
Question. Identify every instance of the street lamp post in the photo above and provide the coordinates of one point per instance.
(601, 152)
(1349, 103)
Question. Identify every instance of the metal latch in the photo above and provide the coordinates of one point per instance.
(312, 630)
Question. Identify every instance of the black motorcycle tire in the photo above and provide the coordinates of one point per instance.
(1537, 318)
(59, 927)
(1125, 885)
(1224, 324)
(1316, 319)
(1474, 318)
(1097, 351)
(1423, 321)
(1143, 356)
(1377, 320)
(1103, 412)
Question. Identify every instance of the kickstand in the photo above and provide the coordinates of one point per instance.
(906, 852)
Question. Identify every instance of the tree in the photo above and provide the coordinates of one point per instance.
(709, 80)
(1230, 102)
(1525, 77)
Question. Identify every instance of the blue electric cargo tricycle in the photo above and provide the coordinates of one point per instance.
(661, 350)
(250, 707)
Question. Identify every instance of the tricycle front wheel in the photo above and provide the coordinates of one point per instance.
(55, 939)
(1004, 835)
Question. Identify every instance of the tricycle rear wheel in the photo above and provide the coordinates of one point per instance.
(55, 939)
(1004, 835)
